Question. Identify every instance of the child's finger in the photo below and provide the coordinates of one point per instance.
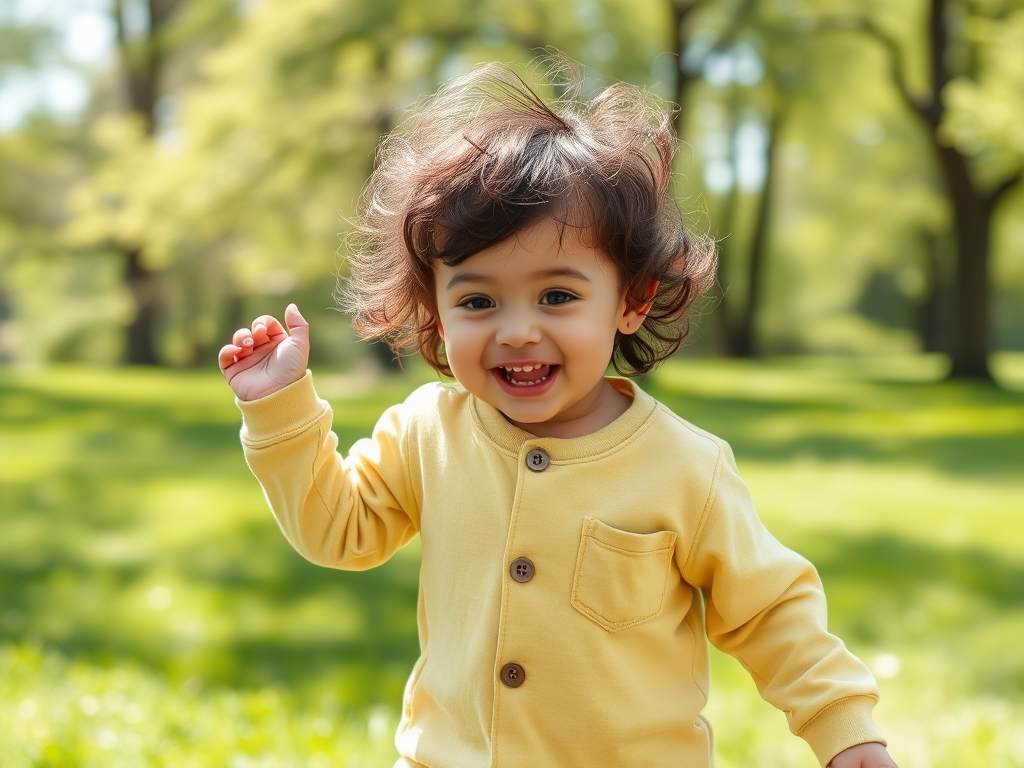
(228, 356)
(243, 338)
(298, 328)
(269, 324)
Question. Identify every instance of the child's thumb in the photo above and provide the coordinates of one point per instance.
(298, 328)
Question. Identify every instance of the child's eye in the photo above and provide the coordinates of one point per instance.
(556, 297)
(476, 302)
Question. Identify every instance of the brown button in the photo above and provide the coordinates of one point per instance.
(537, 460)
(522, 569)
(513, 675)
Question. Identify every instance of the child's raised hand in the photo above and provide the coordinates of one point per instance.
(266, 358)
(870, 755)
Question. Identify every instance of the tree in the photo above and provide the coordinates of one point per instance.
(741, 28)
(145, 55)
(738, 329)
(279, 132)
(967, 52)
(46, 287)
(158, 42)
(143, 58)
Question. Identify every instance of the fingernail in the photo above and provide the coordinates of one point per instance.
(246, 342)
(259, 328)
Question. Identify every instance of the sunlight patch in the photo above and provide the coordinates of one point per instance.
(886, 666)
(159, 598)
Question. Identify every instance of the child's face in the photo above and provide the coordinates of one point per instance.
(541, 299)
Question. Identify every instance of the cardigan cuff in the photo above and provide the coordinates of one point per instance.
(841, 725)
(281, 414)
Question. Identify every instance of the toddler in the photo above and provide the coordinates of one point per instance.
(579, 539)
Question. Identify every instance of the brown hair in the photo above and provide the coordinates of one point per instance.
(486, 157)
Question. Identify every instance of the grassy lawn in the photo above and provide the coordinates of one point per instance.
(151, 613)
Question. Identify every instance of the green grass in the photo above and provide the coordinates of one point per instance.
(152, 614)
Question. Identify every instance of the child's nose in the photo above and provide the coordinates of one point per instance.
(517, 328)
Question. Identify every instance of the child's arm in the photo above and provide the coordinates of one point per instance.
(265, 359)
(351, 513)
(766, 607)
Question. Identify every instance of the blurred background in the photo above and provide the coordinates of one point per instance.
(169, 169)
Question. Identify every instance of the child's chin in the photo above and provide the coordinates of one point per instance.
(525, 414)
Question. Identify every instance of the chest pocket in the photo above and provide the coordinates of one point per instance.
(621, 577)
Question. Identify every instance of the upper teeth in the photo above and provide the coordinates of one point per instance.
(523, 368)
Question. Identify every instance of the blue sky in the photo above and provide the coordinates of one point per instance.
(58, 85)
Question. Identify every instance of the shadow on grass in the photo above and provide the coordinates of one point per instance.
(239, 601)
(954, 438)
(900, 567)
(965, 604)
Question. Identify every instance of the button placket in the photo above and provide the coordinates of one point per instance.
(522, 570)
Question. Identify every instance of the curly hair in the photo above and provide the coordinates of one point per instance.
(484, 158)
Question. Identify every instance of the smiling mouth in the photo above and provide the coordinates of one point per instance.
(526, 375)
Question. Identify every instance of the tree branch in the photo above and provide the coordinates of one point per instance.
(867, 26)
(938, 40)
(684, 9)
(1002, 188)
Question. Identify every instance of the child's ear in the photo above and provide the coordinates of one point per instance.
(633, 316)
(440, 329)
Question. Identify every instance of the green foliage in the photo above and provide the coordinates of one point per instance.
(66, 302)
(21, 45)
(58, 713)
(986, 114)
(269, 118)
(154, 615)
(242, 196)
(862, 257)
(853, 197)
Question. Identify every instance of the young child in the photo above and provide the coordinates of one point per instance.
(579, 539)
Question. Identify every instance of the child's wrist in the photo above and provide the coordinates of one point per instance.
(269, 390)
(270, 387)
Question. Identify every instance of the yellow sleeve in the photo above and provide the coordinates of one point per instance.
(765, 606)
(352, 513)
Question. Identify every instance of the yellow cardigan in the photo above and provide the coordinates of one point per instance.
(566, 584)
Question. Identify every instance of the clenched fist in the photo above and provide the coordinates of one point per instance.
(261, 360)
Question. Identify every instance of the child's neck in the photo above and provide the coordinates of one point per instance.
(603, 405)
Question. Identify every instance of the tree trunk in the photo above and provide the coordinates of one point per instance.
(744, 342)
(972, 209)
(681, 79)
(139, 343)
(972, 215)
(728, 248)
(142, 61)
(727, 251)
(931, 311)
(972, 218)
